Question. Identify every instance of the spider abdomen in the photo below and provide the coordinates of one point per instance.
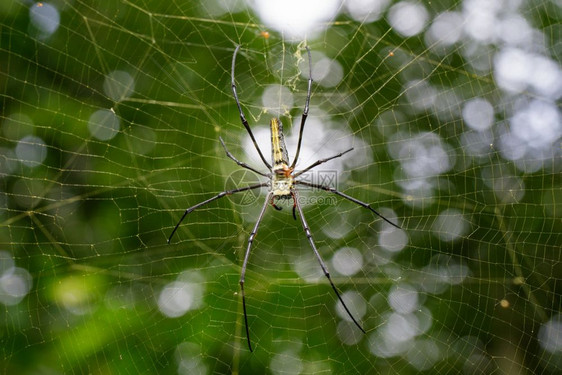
(279, 153)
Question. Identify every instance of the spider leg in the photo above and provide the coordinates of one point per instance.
(321, 161)
(242, 117)
(356, 201)
(306, 107)
(219, 195)
(323, 265)
(245, 263)
(294, 205)
(272, 201)
(242, 164)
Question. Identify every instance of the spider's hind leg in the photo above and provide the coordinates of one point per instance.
(324, 267)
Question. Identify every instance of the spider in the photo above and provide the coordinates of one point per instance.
(282, 180)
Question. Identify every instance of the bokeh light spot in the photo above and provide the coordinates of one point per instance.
(31, 151)
(104, 124)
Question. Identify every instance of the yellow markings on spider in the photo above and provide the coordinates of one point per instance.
(282, 179)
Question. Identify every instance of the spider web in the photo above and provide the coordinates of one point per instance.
(111, 114)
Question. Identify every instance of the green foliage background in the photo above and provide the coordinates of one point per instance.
(90, 223)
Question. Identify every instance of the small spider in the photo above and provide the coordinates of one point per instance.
(282, 182)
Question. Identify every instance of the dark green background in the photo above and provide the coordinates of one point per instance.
(95, 239)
